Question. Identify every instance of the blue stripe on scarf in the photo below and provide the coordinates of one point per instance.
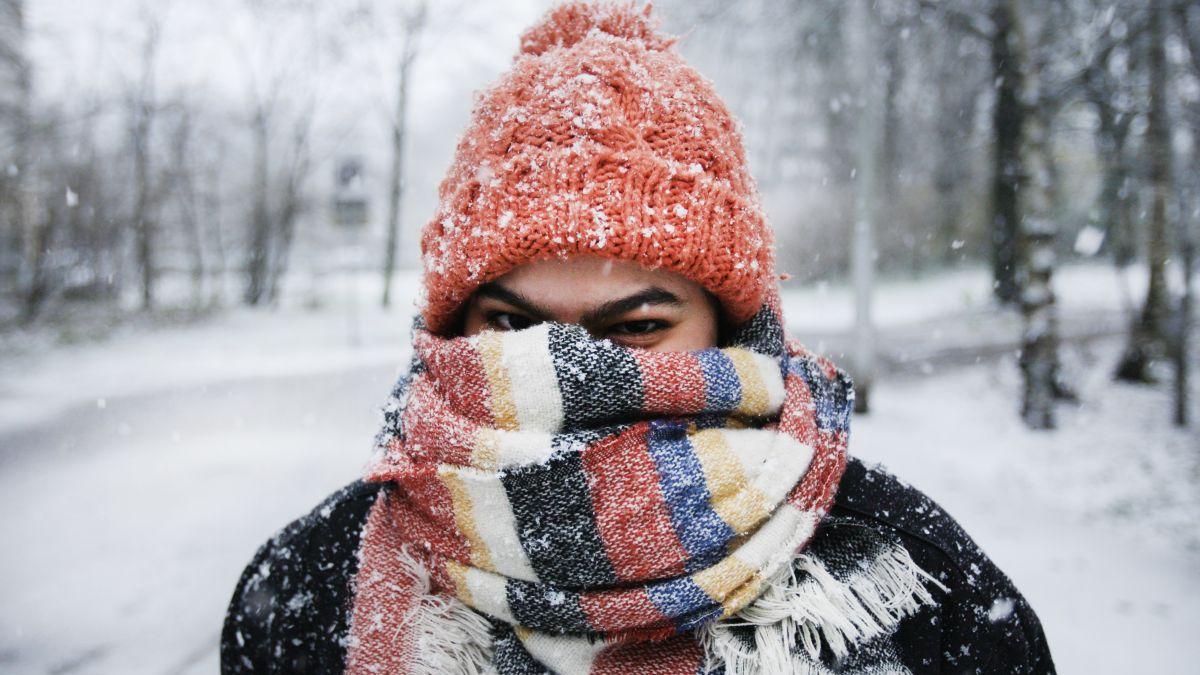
(679, 598)
(833, 399)
(723, 389)
(701, 531)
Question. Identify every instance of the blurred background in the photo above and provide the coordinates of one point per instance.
(209, 214)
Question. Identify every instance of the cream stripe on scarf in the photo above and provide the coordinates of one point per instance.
(772, 462)
(778, 538)
(768, 549)
(560, 654)
(484, 591)
(535, 388)
(498, 449)
(489, 502)
(772, 379)
(748, 473)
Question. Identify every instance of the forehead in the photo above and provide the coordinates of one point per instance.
(577, 284)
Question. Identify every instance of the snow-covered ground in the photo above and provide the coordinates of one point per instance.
(138, 474)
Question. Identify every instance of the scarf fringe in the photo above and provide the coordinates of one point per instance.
(449, 638)
(820, 610)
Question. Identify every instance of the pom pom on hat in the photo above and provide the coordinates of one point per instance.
(568, 24)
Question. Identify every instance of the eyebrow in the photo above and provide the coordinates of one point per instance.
(498, 292)
(650, 296)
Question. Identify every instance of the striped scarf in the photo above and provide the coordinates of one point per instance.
(564, 503)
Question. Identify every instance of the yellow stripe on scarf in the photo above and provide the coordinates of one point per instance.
(734, 499)
(464, 516)
(755, 400)
(722, 579)
(458, 575)
(504, 408)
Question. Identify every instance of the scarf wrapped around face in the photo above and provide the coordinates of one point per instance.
(565, 503)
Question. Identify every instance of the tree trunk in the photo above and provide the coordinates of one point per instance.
(14, 200)
(1039, 343)
(290, 208)
(212, 211)
(1184, 332)
(184, 184)
(142, 113)
(143, 224)
(866, 204)
(1008, 171)
(1114, 184)
(1148, 335)
(45, 226)
(260, 219)
(396, 179)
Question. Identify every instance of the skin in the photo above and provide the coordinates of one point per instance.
(616, 300)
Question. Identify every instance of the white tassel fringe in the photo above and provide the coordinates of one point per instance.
(819, 610)
(450, 638)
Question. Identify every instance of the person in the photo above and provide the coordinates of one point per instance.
(607, 455)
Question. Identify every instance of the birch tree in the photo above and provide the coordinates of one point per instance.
(1148, 336)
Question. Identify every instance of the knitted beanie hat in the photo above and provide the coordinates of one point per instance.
(600, 140)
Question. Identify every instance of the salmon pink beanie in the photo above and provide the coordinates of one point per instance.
(600, 140)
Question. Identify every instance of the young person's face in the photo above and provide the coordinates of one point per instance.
(621, 301)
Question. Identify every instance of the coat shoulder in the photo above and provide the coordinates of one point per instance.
(294, 593)
(982, 623)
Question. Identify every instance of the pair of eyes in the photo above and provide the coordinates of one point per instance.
(640, 328)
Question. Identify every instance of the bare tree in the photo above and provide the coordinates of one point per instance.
(1187, 22)
(182, 184)
(213, 205)
(293, 200)
(142, 111)
(1108, 85)
(281, 98)
(873, 156)
(413, 19)
(997, 23)
(1148, 336)
(15, 139)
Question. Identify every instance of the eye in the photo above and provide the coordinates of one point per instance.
(638, 328)
(508, 321)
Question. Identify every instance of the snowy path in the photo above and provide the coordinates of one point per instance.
(1098, 522)
(125, 527)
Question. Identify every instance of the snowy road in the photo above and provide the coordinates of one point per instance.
(126, 526)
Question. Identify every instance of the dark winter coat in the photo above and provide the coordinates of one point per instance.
(290, 611)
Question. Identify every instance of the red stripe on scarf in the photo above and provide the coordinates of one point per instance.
(426, 511)
(618, 610)
(384, 594)
(425, 418)
(459, 367)
(677, 392)
(631, 512)
(819, 485)
(680, 655)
